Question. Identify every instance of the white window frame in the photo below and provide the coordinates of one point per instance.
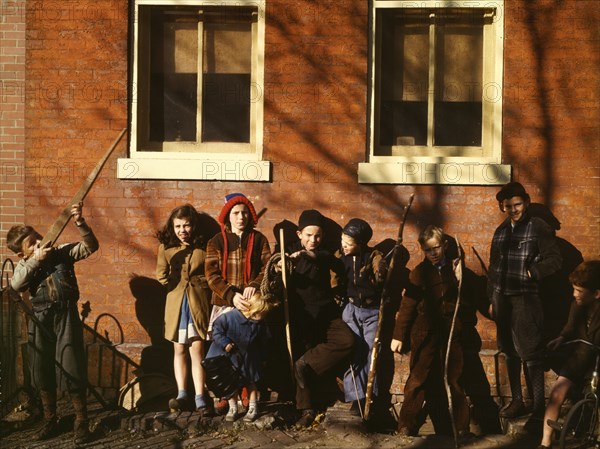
(201, 160)
(444, 165)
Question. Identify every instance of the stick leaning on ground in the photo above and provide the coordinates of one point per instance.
(286, 308)
(382, 304)
(458, 274)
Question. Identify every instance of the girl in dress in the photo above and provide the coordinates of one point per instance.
(180, 268)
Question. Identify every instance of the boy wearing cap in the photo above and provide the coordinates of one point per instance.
(523, 252)
(365, 270)
(57, 335)
(320, 339)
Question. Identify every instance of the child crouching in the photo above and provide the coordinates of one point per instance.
(242, 336)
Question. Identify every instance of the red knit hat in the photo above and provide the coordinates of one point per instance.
(230, 201)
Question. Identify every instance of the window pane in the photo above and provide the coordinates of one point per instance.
(173, 77)
(458, 77)
(404, 77)
(226, 82)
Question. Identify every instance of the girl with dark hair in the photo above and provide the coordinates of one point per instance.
(180, 268)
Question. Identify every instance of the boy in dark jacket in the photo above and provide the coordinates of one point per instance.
(49, 276)
(523, 252)
(320, 339)
(424, 321)
(365, 270)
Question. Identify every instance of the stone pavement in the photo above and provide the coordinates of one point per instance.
(338, 428)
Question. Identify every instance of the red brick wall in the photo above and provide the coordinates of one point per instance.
(315, 134)
(12, 129)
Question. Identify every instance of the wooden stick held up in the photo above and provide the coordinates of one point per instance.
(59, 225)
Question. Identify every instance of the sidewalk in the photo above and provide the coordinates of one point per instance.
(161, 430)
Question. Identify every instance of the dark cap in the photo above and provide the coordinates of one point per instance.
(359, 230)
(510, 190)
(310, 217)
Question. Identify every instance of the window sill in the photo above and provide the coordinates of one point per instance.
(449, 173)
(194, 169)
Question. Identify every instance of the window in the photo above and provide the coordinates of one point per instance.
(436, 93)
(197, 91)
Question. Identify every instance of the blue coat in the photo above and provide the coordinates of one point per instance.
(250, 340)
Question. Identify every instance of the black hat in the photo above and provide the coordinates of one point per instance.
(310, 217)
(510, 190)
(359, 230)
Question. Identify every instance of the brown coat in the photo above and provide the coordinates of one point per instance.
(181, 269)
(223, 290)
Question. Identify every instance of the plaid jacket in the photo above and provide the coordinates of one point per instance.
(529, 246)
(225, 289)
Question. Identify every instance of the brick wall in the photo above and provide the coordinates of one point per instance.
(315, 135)
(12, 110)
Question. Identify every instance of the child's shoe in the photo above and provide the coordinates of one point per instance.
(252, 413)
(232, 415)
(222, 407)
(178, 405)
(49, 429)
(81, 432)
(306, 419)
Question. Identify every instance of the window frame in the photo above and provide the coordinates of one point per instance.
(198, 160)
(431, 164)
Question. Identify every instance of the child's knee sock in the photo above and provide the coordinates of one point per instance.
(536, 375)
(233, 405)
(48, 399)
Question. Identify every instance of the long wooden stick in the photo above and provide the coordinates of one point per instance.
(459, 277)
(59, 225)
(383, 301)
(286, 308)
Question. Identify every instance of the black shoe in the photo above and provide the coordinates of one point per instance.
(406, 432)
(81, 432)
(300, 372)
(208, 411)
(49, 429)
(356, 409)
(513, 410)
(307, 418)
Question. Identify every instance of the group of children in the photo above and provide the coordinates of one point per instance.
(215, 308)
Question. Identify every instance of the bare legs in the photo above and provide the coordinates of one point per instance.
(182, 366)
(557, 397)
(196, 354)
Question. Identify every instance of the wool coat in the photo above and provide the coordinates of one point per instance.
(224, 289)
(181, 270)
(424, 320)
(250, 338)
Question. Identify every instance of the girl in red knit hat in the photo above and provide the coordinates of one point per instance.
(235, 259)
